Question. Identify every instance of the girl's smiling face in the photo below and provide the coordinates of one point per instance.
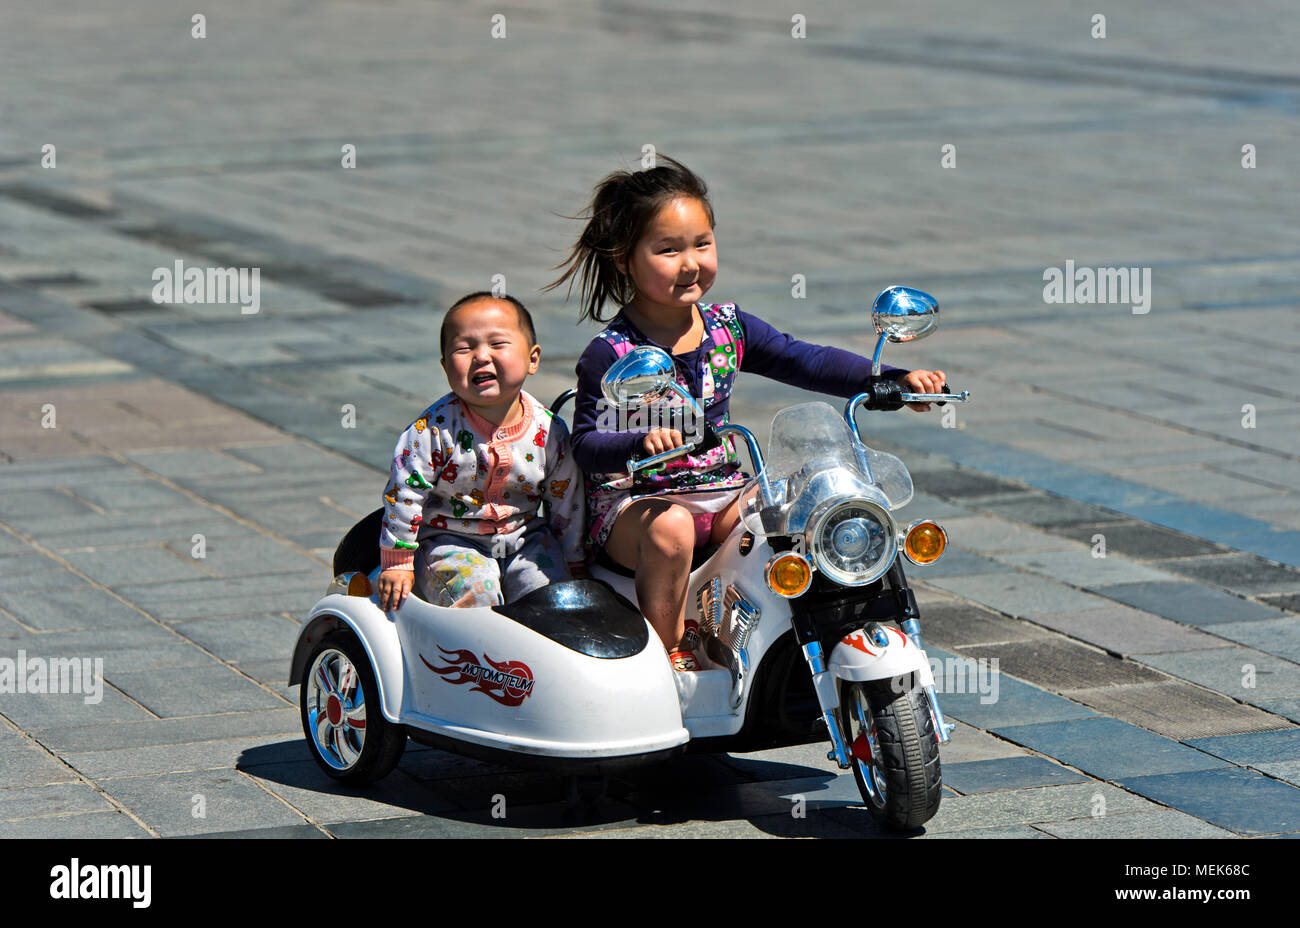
(674, 262)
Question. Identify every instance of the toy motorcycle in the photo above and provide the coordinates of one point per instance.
(793, 610)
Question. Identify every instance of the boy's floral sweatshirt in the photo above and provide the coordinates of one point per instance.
(454, 471)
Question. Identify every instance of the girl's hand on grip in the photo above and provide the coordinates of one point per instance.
(922, 382)
(657, 440)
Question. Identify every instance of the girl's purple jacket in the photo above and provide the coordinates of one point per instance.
(768, 352)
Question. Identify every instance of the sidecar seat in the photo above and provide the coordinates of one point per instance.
(583, 615)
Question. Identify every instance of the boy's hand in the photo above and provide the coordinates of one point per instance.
(657, 440)
(394, 587)
(922, 382)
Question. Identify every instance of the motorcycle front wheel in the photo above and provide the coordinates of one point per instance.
(893, 751)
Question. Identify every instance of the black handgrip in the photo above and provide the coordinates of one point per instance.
(884, 393)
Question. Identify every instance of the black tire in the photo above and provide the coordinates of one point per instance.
(902, 785)
(356, 755)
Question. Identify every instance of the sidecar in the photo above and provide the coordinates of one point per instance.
(570, 677)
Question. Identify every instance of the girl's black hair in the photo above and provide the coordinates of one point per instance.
(525, 318)
(624, 203)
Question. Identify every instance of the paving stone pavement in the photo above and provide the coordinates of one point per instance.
(1120, 494)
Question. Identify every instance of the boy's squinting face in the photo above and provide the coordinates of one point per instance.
(487, 355)
(675, 262)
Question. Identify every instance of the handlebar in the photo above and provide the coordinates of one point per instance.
(940, 399)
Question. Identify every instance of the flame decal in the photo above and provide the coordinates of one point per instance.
(506, 682)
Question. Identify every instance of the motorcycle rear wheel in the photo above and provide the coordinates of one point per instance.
(893, 751)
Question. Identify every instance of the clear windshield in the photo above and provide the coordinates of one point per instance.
(811, 452)
(813, 433)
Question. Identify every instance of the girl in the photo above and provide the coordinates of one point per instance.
(649, 248)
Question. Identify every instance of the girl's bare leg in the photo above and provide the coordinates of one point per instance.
(656, 539)
(724, 522)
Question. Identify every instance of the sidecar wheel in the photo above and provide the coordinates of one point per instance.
(339, 702)
(894, 752)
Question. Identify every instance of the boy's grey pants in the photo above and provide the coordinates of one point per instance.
(487, 570)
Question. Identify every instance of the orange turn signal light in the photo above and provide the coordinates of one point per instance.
(359, 585)
(788, 575)
(925, 542)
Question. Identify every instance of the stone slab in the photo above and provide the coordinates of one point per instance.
(1108, 748)
(1000, 832)
(153, 563)
(173, 692)
(1020, 594)
(1125, 631)
(305, 786)
(1143, 542)
(984, 776)
(178, 758)
(27, 765)
(1189, 603)
(64, 610)
(990, 535)
(1240, 801)
(1280, 637)
(1177, 710)
(1069, 802)
(1059, 664)
(813, 824)
(32, 711)
(97, 825)
(245, 638)
(969, 745)
(1288, 770)
(279, 832)
(795, 761)
(110, 736)
(954, 624)
(1253, 749)
(36, 802)
(1165, 823)
(1287, 708)
(1243, 574)
(1242, 673)
(1078, 567)
(1048, 512)
(1017, 703)
(231, 801)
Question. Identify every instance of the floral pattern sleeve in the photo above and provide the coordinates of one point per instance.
(412, 481)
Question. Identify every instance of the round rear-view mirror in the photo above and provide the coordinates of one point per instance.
(643, 375)
(903, 314)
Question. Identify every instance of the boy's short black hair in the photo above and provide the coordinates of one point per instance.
(525, 318)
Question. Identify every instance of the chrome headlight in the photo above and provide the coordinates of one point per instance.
(853, 542)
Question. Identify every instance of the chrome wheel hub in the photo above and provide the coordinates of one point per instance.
(866, 745)
(336, 709)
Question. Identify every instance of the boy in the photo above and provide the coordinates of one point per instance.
(461, 508)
